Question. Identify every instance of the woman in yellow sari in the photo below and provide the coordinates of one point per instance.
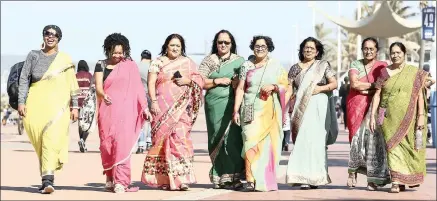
(47, 86)
(400, 108)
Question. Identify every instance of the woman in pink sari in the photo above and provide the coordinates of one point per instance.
(367, 152)
(175, 88)
(122, 110)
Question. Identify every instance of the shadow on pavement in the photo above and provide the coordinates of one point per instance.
(20, 189)
(282, 186)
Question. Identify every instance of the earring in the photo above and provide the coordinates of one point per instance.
(43, 45)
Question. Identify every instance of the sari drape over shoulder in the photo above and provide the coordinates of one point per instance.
(120, 122)
(397, 114)
(224, 137)
(170, 160)
(47, 119)
(263, 136)
(314, 124)
(368, 153)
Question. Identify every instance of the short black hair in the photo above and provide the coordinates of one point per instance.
(113, 40)
(370, 39)
(214, 49)
(319, 48)
(269, 42)
(146, 54)
(400, 45)
(167, 41)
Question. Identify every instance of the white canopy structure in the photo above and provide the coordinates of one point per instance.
(384, 23)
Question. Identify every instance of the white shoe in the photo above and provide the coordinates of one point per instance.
(118, 188)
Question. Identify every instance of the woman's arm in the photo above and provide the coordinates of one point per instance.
(331, 86)
(239, 93)
(23, 83)
(151, 81)
(358, 85)
(429, 82)
(99, 83)
(375, 102)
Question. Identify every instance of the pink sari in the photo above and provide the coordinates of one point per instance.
(120, 122)
(170, 160)
(358, 104)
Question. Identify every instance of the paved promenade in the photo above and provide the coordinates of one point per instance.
(82, 176)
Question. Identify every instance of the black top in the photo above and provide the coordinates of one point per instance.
(101, 67)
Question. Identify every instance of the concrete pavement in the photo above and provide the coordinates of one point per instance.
(82, 176)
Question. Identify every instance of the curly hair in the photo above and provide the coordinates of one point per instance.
(269, 42)
(167, 41)
(113, 40)
(319, 48)
(214, 49)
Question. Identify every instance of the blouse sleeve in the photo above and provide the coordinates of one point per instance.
(328, 72)
(205, 67)
(354, 68)
(243, 70)
(154, 66)
(23, 83)
(98, 67)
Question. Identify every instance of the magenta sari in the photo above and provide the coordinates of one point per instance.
(120, 122)
(170, 160)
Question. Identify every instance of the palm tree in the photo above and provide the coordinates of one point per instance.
(323, 35)
(400, 9)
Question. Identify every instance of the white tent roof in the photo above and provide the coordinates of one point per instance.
(383, 23)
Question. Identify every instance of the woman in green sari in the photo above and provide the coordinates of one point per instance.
(400, 108)
(224, 138)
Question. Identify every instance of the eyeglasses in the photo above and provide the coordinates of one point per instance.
(50, 34)
(309, 48)
(368, 49)
(260, 47)
(223, 42)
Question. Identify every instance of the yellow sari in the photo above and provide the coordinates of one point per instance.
(48, 113)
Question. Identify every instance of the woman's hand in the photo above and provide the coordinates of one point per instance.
(182, 81)
(223, 81)
(317, 90)
(147, 115)
(22, 110)
(74, 114)
(236, 118)
(372, 124)
(420, 122)
(267, 89)
(155, 108)
(107, 99)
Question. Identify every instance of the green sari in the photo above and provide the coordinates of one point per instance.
(224, 138)
(397, 120)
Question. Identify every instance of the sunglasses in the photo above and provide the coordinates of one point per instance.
(223, 42)
(50, 34)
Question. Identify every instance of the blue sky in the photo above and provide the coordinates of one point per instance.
(146, 24)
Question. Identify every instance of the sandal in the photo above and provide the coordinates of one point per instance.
(304, 187)
(109, 186)
(184, 187)
(352, 180)
(164, 187)
(394, 188)
(371, 187)
(249, 187)
(402, 188)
